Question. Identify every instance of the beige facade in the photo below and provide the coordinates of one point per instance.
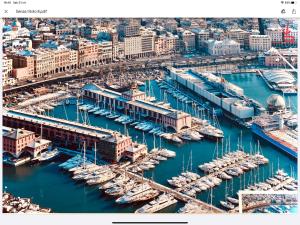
(87, 54)
(165, 45)
(105, 52)
(132, 46)
(276, 34)
(140, 46)
(259, 43)
(273, 59)
(6, 70)
(44, 61)
(23, 67)
(240, 36)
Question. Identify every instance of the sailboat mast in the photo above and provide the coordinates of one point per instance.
(183, 163)
(191, 159)
(41, 130)
(77, 109)
(84, 154)
(95, 153)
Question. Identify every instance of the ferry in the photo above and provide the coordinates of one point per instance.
(284, 138)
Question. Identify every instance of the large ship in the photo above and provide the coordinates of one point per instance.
(272, 129)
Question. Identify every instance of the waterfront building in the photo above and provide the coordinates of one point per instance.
(18, 141)
(142, 45)
(105, 51)
(276, 34)
(6, 70)
(65, 59)
(111, 145)
(44, 62)
(23, 65)
(148, 40)
(271, 57)
(132, 46)
(216, 90)
(135, 103)
(225, 47)
(166, 44)
(259, 43)
(87, 53)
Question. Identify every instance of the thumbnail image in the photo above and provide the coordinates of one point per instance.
(270, 202)
(147, 115)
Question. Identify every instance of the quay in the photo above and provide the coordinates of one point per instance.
(177, 194)
(209, 109)
(58, 96)
(227, 96)
(136, 103)
(111, 145)
(216, 173)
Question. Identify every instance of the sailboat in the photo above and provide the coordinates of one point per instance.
(232, 199)
(48, 154)
(226, 204)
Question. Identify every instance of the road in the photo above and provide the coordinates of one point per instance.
(140, 64)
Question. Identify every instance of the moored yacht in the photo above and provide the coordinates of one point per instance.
(141, 192)
(161, 202)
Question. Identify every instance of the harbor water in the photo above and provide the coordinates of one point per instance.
(48, 186)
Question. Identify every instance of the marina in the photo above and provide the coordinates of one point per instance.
(144, 116)
(159, 142)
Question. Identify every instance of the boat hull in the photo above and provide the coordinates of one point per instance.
(259, 132)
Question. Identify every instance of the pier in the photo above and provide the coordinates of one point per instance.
(176, 193)
(111, 144)
(216, 173)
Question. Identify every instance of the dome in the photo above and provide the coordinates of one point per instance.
(276, 102)
(16, 23)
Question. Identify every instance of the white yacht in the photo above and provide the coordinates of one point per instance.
(120, 189)
(141, 192)
(102, 178)
(48, 155)
(161, 202)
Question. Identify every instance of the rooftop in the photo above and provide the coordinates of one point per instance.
(37, 143)
(16, 133)
(140, 103)
(102, 133)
